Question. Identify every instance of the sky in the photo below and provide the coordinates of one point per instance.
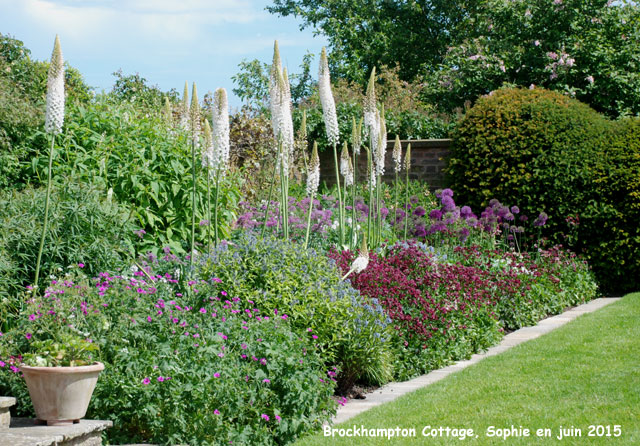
(167, 42)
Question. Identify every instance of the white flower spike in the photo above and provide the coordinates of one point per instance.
(326, 99)
(54, 116)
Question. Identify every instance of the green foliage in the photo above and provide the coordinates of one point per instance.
(23, 84)
(548, 152)
(363, 34)
(134, 88)
(186, 366)
(145, 163)
(83, 227)
(281, 279)
(588, 50)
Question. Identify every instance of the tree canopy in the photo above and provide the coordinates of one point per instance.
(459, 50)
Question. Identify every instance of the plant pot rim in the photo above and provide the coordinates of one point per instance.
(95, 367)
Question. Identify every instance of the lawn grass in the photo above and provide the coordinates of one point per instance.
(584, 373)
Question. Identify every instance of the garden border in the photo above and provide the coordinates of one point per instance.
(393, 390)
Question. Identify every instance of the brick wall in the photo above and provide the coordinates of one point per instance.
(428, 160)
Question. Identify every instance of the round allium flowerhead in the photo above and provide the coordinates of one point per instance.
(194, 116)
(184, 109)
(54, 116)
(397, 155)
(326, 99)
(313, 177)
(221, 144)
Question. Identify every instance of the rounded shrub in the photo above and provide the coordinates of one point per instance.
(282, 280)
(551, 153)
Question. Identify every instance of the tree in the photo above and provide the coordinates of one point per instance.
(413, 34)
(589, 49)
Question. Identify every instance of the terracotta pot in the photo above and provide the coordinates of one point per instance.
(61, 395)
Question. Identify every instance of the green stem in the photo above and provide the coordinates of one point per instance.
(209, 208)
(46, 211)
(340, 216)
(371, 204)
(306, 237)
(215, 210)
(406, 204)
(395, 204)
(193, 205)
(352, 243)
(273, 181)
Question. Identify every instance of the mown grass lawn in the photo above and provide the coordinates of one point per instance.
(586, 373)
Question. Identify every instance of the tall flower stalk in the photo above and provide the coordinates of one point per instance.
(397, 167)
(313, 181)
(282, 123)
(184, 108)
(207, 157)
(221, 146)
(331, 127)
(356, 143)
(54, 119)
(407, 167)
(380, 154)
(194, 134)
(371, 123)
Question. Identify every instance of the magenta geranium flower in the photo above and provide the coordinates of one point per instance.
(146, 381)
(265, 417)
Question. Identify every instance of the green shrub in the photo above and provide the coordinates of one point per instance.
(146, 163)
(183, 366)
(281, 278)
(84, 227)
(550, 153)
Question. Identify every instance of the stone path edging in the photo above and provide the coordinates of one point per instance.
(393, 390)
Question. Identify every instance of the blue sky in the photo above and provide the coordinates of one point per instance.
(167, 41)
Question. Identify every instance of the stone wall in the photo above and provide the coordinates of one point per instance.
(428, 160)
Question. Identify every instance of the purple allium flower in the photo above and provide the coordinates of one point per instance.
(494, 203)
(435, 214)
(524, 218)
(447, 193)
(541, 220)
(509, 216)
(515, 210)
(420, 231)
(472, 221)
(463, 234)
(413, 199)
(419, 211)
(465, 212)
(448, 204)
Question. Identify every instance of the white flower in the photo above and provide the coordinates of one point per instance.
(220, 119)
(54, 116)
(397, 155)
(194, 116)
(370, 108)
(407, 158)
(326, 99)
(275, 95)
(207, 150)
(356, 136)
(381, 146)
(313, 177)
(184, 110)
(346, 167)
